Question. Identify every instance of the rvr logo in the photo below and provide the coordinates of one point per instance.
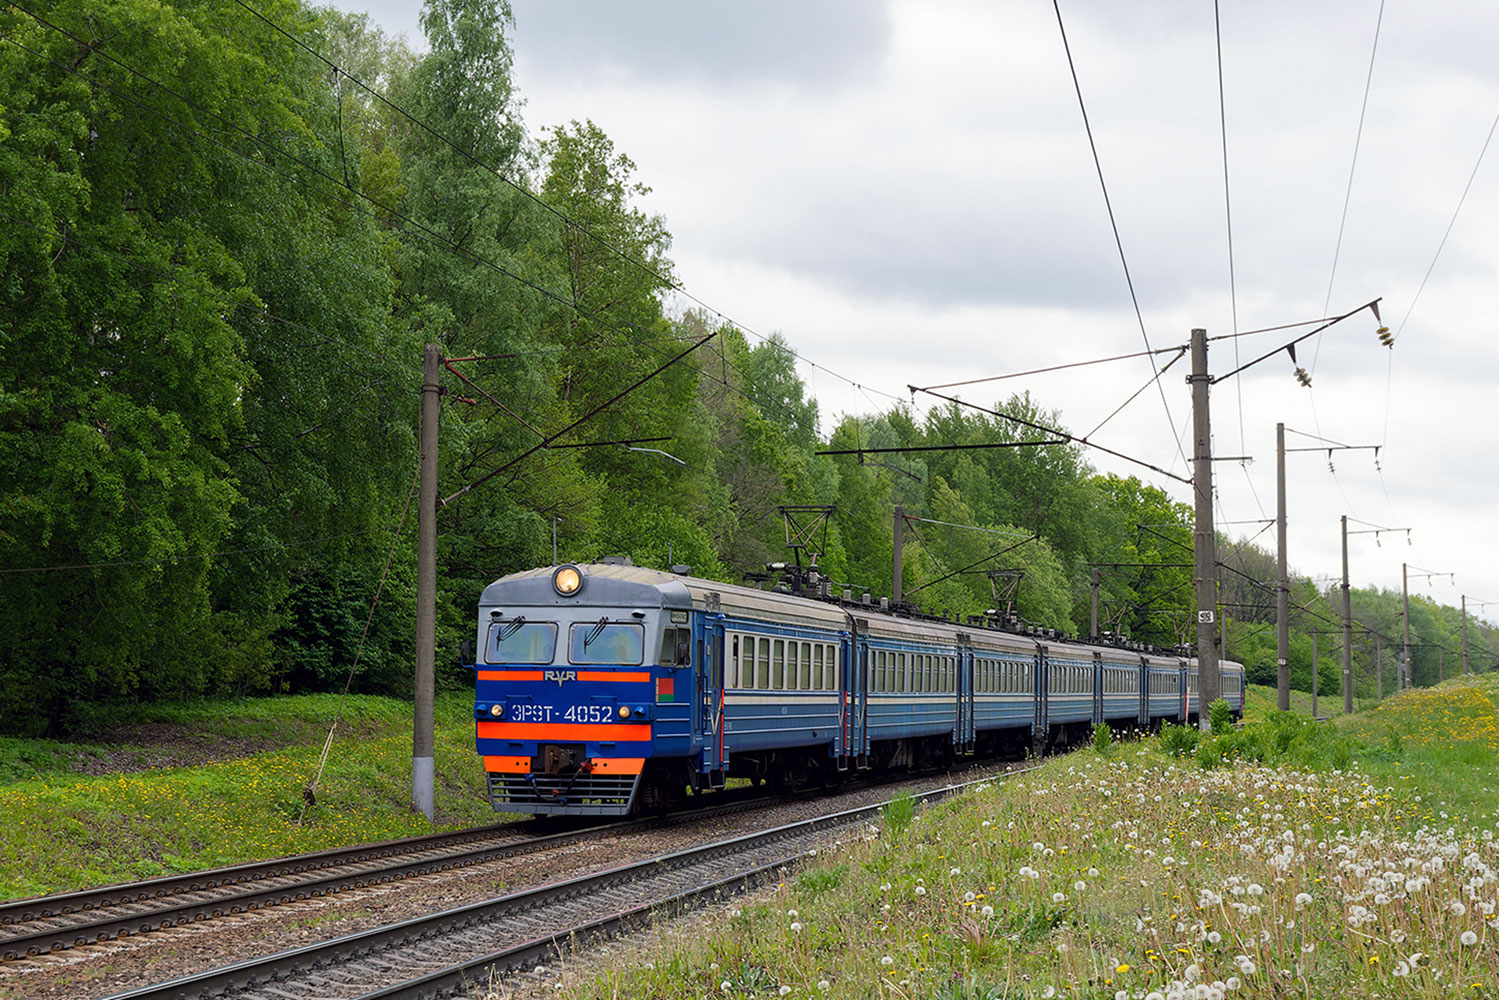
(559, 676)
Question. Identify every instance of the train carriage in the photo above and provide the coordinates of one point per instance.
(607, 689)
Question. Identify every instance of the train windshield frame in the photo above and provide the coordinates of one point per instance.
(520, 641)
(606, 642)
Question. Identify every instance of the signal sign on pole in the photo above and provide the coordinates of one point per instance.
(1205, 618)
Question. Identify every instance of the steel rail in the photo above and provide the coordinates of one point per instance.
(280, 969)
(175, 911)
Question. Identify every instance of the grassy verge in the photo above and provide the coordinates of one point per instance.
(65, 830)
(1260, 699)
(1290, 858)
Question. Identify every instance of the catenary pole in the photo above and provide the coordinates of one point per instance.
(1378, 669)
(1204, 558)
(422, 741)
(897, 590)
(1093, 605)
(1282, 584)
(1314, 673)
(1465, 633)
(1347, 630)
(1405, 614)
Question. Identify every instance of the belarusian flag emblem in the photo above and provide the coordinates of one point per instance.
(664, 689)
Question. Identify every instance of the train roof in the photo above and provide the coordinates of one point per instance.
(642, 587)
(638, 586)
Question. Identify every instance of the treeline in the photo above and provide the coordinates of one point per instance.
(229, 230)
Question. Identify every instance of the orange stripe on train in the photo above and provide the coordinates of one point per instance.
(607, 765)
(604, 731)
(633, 676)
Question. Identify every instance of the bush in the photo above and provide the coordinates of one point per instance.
(1179, 741)
(1220, 717)
(1103, 740)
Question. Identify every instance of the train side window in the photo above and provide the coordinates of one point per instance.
(778, 664)
(803, 666)
(817, 677)
(734, 680)
(762, 662)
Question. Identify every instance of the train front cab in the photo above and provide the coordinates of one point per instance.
(581, 679)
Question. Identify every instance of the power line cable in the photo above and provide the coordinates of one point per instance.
(1348, 194)
(425, 233)
(1113, 224)
(1228, 218)
(1448, 232)
(567, 221)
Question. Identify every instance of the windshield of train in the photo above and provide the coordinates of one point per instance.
(520, 641)
(605, 642)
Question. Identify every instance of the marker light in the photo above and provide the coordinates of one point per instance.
(496, 710)
(567, 580)
(624, 711)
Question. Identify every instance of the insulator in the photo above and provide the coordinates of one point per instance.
(1385, 337)
(1303, 377)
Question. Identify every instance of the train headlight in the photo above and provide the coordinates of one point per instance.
(567, 580)
(624, 711)
(496, 710)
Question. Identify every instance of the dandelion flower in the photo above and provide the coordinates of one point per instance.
(986, 912)
(795, 927)
(921, 890)
(1469, 938)
(1058, 897)
(783, 991)
(887, 961)
(823, 985)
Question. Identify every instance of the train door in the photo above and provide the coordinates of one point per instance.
(963, 691)
(710, 702)
(1181, 702)
(1099, 688)
(1041, 687)
(856, 684)
(1144, 692)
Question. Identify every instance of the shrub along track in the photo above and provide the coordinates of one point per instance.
(206, 919)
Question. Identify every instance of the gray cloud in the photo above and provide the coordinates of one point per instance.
(723, 45)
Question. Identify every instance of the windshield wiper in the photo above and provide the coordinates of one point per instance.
(595, 632)
(509, 628)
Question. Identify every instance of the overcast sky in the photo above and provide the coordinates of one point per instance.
(905, 191)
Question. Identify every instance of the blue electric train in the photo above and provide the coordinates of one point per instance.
(608, 689)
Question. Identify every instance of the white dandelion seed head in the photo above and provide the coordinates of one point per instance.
(887, 960)
(1469, 938)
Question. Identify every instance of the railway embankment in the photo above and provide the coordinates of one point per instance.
(1354, 858)
(182, 788)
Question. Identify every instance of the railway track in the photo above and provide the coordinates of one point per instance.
(440, 953)
(47, 924)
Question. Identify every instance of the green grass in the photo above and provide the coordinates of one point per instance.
(1138, 871)
(65, 830)
(1260, 699)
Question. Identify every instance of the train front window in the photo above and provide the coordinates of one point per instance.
(520, 641)
(606, 642)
